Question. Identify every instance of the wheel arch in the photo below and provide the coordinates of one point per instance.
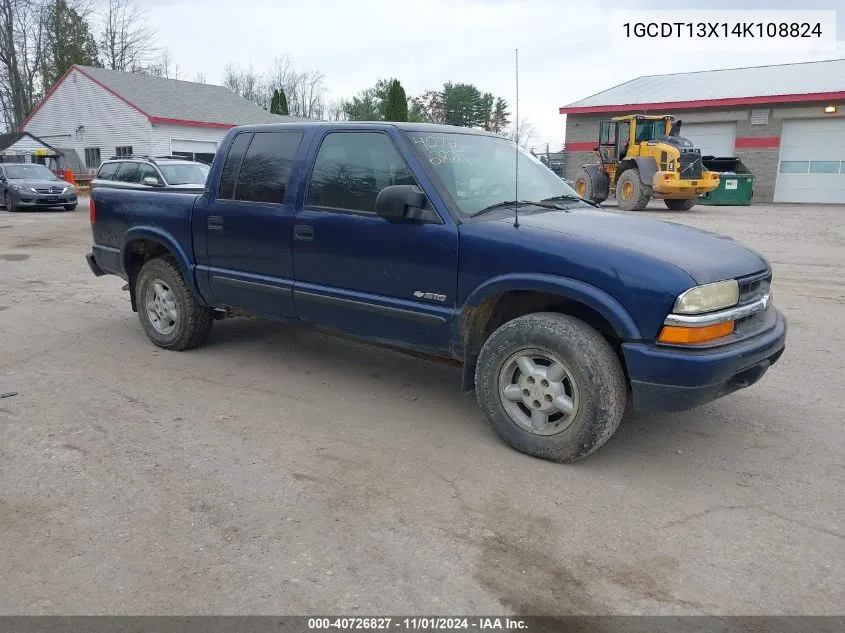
(144, 243)
(647, 166)
(505, 298)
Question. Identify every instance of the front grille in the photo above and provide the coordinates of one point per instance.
(754, 287)
(49, 190)
(690, 165)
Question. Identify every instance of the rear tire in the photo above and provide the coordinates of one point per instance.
(680, 205)
(170, 314)
(631, 193)
(578, 394)
(595, 189)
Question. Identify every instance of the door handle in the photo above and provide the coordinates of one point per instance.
(303, 232)
(215, 223)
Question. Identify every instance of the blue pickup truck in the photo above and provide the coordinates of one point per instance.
(456, 244)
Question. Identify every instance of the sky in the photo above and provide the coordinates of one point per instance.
(568, 49)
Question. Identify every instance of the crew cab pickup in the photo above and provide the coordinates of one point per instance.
(456, 244)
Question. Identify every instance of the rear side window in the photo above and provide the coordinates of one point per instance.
(107, 171)
(352, 167)
(148, 171)
(266, 168)
(128, 172)
(232, 166)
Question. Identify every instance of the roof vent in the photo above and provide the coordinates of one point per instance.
(760, 117)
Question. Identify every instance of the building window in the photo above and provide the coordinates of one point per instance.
(794, 166)
(123, 150)
(92, 157)
(824, 167)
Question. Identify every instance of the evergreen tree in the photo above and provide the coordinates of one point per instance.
(396, 104)
(68, 40)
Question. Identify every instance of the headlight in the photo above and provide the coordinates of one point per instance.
(33, 190)
(16, 187)
(68, 189)
(707, 298)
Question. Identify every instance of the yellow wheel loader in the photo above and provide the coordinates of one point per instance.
(643, 157)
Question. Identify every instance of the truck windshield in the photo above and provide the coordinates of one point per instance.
(29, 172)
(650, 129)
(479, 170)
(185, 174)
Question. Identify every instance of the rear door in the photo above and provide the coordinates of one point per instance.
(249, 219)
(368, 276)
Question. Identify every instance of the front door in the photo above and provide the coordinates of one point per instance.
(248, 232)
(363, 274)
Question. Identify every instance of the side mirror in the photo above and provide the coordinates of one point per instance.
(393, 202)
(151, 182)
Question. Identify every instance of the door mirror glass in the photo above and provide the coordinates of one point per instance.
(394, 202)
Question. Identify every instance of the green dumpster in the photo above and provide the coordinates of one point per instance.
(736, 182)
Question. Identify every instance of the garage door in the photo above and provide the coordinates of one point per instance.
(713, 139)
(202, 151)
(811, 165)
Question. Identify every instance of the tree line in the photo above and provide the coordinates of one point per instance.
(41, 39)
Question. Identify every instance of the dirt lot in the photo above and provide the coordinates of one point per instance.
(279, 471)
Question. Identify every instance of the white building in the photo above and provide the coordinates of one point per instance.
(101, 113)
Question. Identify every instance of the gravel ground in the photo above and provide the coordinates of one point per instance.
(280, 471)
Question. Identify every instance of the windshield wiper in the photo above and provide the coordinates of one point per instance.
(569, 198)
(546, 204)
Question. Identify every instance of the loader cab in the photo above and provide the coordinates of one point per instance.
(619, 138)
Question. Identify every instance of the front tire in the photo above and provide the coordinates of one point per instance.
(70, 207)
(680, 205)
(631, 193)
(170, 314)
(551, 386)
(7, 202)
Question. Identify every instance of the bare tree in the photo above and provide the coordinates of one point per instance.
(304, 91)
(126, 41)
(523, 134)
(247, 83)
(309, 95)
(200, 78)
(22, 47)
(335, 111)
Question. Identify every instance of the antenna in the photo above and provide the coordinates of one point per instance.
(516, 141)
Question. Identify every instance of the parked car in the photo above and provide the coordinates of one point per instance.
(33, 186)
(407, 235)
(148, 172)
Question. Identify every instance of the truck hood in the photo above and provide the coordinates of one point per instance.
(705, 256)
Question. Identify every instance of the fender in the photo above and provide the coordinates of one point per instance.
(157, 235)
(647, 166)
(605, 305)
(601, 183)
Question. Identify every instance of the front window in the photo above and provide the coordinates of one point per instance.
(480, 170)
(650, 129)
(184, 174)
(29, 172)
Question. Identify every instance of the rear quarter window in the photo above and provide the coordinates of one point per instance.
(107, 171)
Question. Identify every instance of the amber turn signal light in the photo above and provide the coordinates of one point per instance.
(681, 335)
